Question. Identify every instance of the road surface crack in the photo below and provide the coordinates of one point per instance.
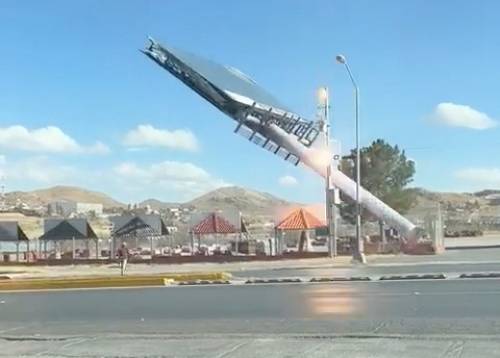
(233, 349)
(454, 350)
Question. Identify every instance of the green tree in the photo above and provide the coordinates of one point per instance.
(385, 172)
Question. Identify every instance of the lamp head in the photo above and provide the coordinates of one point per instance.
(341, 59)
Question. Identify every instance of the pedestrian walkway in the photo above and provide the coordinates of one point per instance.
(472, 242)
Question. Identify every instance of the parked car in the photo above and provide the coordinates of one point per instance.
(185, 251)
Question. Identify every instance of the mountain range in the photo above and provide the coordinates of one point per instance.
(249, 202)
(41, 197)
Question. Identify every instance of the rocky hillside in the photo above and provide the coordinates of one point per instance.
(156, 204)
(483, 203)
(258, 204)
(249, 202)
(42, 197)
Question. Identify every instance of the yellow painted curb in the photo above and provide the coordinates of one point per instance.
(109, 281)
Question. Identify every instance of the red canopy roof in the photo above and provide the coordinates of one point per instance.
(300, 219)
(214, 224)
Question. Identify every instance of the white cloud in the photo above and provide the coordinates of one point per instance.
(48, 139)
(480, 176)
(38, 170)
(171, 180)
(288, 181)
(98, 148)
(180, 178)
(457, 115)
(147, 135)
(136, 149)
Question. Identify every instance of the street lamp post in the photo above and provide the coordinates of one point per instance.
(357, 254)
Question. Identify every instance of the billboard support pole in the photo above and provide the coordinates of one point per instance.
(275, 122)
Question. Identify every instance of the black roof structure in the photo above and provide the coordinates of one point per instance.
(67, 229)
(10, 231)
(244, 228)
(139, 226)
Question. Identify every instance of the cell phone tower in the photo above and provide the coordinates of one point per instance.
(331, 191)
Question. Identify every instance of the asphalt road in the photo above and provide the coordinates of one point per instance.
(432, 317)
(451, 270)
(476, 255)
(451, 263)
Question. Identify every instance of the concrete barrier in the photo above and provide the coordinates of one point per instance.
(439, 276)
(339, 279)
(481, 275)
(473, 247)
(273, 280)
(109, 281)
(204, 282)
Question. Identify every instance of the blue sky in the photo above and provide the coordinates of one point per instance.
(74, 90)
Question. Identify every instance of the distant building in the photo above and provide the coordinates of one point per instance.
(494, 199)
(68, 208)
(173, 213)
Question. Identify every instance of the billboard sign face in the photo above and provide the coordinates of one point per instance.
(260, 117)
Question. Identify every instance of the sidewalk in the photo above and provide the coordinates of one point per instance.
(455, 257)
(152, 269)
(488, 240)
(246, 346)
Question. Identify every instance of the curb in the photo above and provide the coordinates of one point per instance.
(480, 275)
(203, 282)
(440, 276)
(108, 282)
(473, 247)
(273, 280)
